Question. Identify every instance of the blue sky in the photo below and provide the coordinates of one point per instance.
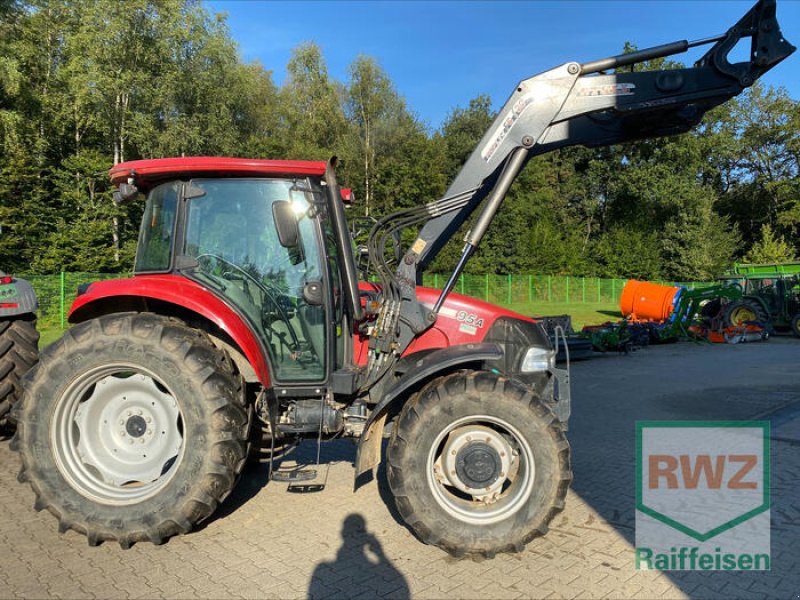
(441, 54)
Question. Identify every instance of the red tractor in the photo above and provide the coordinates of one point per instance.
(245, 312)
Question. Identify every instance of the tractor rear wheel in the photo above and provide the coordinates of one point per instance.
(132, 428)
(478, 464)
(19, 351)
(738, 312)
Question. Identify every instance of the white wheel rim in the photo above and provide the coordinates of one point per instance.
(116, 434)
(502, 497)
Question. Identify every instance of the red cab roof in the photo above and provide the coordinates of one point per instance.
(147, 173)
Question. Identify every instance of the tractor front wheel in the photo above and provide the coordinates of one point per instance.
(132, 428)
(478, 464)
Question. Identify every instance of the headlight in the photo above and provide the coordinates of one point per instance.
(538, 359)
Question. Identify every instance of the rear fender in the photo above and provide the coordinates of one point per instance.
(17, 298)
(428, 366)
(140, 292)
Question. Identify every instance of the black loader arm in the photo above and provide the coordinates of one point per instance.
(573, 104)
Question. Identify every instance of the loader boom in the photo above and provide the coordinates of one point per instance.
(573, 104)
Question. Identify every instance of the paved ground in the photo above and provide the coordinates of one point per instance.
(266, 542)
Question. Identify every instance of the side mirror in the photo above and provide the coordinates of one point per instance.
(125, 192)
(285, 223)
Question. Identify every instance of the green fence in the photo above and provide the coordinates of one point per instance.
(551, 289)
(56, 292)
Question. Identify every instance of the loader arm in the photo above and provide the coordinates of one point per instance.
(573, 104)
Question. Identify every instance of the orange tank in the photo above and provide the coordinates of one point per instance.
(646, 301)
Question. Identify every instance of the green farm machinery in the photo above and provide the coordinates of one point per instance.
(747, 303)
(774, 287)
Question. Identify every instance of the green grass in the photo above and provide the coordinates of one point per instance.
(48, 334)
(582, 314)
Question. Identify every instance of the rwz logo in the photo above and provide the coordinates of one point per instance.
(704, 466)
(707, 482)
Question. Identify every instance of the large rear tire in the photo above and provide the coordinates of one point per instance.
(132, 428)
(478, 464)
(739, 312)
(19, 351)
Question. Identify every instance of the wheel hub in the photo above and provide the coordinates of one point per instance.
(136, 426)
(476, 460)
(478, 465)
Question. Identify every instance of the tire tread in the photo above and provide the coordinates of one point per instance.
(432, 397)
(224, 395)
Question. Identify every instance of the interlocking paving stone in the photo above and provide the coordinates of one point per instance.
(268, 543)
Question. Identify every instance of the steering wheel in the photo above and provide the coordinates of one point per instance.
(273, 296)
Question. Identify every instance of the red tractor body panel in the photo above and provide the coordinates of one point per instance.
(189, 295)
(461, 320)
(148, 173)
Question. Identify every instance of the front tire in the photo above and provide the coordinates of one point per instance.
(478, 464)
(132, 428)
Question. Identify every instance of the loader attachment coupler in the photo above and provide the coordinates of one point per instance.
(573, 104)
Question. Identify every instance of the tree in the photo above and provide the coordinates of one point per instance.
(771, 248)
(375, 110)
(311, 107)
(762, 166)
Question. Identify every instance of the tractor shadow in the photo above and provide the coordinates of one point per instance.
(256, 476)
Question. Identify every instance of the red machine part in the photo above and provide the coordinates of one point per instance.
(645, 301)
(147, 173)
(462, 320)
(179, 291)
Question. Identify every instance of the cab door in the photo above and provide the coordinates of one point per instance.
(230, 231)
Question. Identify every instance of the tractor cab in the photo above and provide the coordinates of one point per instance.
(228, 234)
(257, 235)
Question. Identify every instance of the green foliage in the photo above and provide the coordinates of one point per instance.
(86, 84)
(771, 248)
(628, 253)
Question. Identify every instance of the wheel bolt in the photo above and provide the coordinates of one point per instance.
(141, 441)
(502, 454)
(502, 474)
(130, 441)
(122, 433)
(122, 421)
(469, 438)
(488, 440)
(129, 413)
(453, 452)
(139, 412)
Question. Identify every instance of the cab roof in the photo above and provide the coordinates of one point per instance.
(148, 173)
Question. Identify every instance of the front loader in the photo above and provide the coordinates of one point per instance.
(245, 311)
